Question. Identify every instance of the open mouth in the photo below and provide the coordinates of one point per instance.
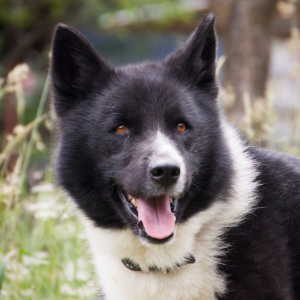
(155, 216)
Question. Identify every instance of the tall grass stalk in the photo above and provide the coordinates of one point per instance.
(19, 137)
(3, 267)
(33, 133)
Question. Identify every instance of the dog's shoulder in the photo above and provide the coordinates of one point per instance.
(278, 176)
(265, 246)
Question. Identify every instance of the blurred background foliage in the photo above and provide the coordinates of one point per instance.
(42, 250)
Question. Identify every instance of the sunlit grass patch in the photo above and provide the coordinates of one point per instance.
(49, 257)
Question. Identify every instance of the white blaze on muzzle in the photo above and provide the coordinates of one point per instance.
(165, 149)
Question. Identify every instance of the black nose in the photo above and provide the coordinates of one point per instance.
(164, 172)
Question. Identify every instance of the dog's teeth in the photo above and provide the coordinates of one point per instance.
(171, 200)
(133, 201)
(129, 197)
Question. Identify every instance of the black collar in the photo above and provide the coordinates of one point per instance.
(133, 266)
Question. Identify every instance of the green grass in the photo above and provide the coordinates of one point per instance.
(43, 254)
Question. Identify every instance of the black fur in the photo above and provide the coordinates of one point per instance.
(264, 257)
(92, 98)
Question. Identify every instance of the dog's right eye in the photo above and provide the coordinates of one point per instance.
(122, 129)
(181, 127)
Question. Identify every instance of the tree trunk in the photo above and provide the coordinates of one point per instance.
(247, 35)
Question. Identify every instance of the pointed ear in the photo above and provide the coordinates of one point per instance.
(76, 69)
(195, 60)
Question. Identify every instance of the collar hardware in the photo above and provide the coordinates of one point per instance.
(131, 265)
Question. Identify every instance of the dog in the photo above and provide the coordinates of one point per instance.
(175, 202)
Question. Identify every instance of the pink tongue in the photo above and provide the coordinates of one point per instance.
(156, 215)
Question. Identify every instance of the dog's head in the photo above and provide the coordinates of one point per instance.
(140, 146)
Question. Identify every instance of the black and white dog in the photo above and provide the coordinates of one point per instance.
(175, 203)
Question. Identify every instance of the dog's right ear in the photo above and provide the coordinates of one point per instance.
(76, 69)
(195, 60)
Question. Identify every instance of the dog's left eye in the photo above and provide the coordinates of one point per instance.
(181, 127)
(122, 129)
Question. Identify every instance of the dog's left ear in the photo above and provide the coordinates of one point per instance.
(76, 69)
(195, 60)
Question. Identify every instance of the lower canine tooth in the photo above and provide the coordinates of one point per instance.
(130, 197)
(133, 201)
(171, 200)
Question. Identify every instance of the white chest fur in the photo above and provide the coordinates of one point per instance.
(186, 282)
(200, 235)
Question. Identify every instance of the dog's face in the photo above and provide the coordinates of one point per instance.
(140, 146)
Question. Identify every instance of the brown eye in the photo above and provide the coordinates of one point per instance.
(121, 129)
(181, 127)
